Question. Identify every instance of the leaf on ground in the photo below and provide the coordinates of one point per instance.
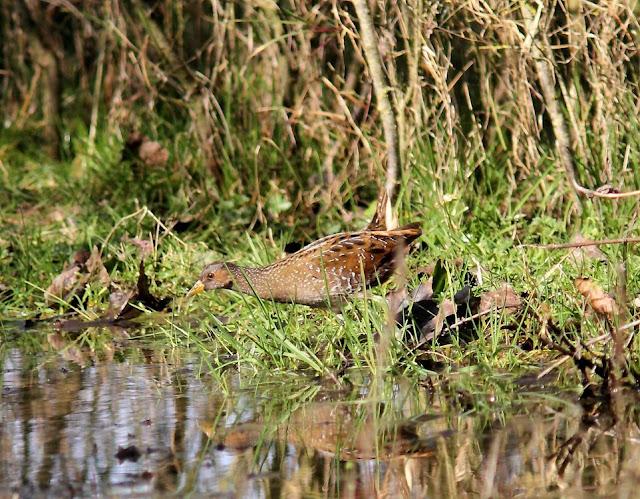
(397, 300)
(118, 299)
(602, 303)
(145, 246)
(583, 254)
(63, 284)
(428, 318)
(425, 270)
(83, 268)
(153, 154)
(424, 291)
(123, 305)
(80, 257)
(435, 325)
(142, 296)
(503, 297)
(96, 268)
(150, 152)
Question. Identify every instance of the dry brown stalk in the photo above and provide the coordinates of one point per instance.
(384, 103)
(466, 79)
(581, 244)
(544, 62)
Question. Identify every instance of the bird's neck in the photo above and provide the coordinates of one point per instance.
(249, 280)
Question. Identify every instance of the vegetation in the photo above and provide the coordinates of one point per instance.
(143, 139)
(185, 132)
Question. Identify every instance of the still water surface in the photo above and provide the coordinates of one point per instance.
(158, 424)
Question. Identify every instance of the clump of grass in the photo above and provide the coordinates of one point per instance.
(282, 97)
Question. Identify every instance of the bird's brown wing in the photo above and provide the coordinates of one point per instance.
(371, 255)
(334, 266)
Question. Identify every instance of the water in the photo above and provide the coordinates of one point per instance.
(154, 423)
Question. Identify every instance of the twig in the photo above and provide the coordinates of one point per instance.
(554, 365)
(629, 325)
(607, 195)
(579, 361)
(347, 114)
(141, 213)
(580, 244)
(385, 107)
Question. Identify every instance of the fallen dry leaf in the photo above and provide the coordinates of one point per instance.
(427, 316)
(123, 305)
(424, 291)
(142, 296)
(145, 246)
(63, 285)
(83, 268)
(118, 299)
(96, 268)
(152, 153)
(447, 309)
(502, 298)
(602, 303)
(583, 254)
(426, 270)
(397, 300)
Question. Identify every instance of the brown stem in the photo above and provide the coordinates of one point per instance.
(623, 240)
(384, 104)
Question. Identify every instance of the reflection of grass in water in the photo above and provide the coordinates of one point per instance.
(495, 437)
(526, 445)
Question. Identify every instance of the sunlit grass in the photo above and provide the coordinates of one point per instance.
(471, 226)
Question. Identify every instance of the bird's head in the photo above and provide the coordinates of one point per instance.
(214, 276)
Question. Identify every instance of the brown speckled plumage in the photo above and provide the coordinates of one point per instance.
(323, 273)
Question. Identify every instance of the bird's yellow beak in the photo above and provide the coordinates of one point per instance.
(197, 288)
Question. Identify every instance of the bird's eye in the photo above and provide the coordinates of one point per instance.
(210, 275)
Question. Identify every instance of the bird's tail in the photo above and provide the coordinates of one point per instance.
(408, 232)
(378, 222)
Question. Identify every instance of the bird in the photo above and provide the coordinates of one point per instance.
(325, 273)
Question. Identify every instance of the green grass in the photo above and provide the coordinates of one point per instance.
(50, 209)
